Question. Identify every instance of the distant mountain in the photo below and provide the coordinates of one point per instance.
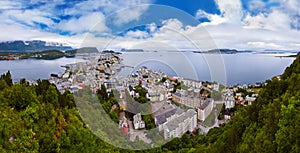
(82, 50)
(224, 51)
(279, 51)
(87, 50)
(131, 50)
(111, 52)
(19, 46)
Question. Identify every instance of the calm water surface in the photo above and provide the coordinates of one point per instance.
(230, 69)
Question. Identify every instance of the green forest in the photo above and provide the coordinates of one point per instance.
(38, 118)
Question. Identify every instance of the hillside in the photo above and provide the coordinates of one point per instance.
(48, 54)
(19, 46)
(270, 124)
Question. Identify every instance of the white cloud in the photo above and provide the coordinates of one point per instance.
(231, 10)
(94, 22)
(292, 6)
(276, 20)
(7, 4)
(128, 15)
(125, 11)
(137, 34)
(15, 32)
(152, 27)
(28, 16)
(172, 24)
(239, 29)
(256, 5)
(213, 18)
(264, 45)
(234, 28)
(201, 14)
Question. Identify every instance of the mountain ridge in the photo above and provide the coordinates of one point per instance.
(20, 46)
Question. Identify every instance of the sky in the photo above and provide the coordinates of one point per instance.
(155, 24)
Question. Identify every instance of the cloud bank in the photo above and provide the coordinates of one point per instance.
(261, 25)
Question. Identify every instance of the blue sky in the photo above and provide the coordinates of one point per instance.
(240, 24)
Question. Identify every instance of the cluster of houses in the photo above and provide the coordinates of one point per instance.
(246, 100)
(170, 119)
(193, 98)
(150, 80)
(231, 97)
(92, 73)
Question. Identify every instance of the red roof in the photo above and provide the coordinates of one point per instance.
(124, 129)
(172, 79)
(82, 85)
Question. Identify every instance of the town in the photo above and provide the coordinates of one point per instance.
(178, 105)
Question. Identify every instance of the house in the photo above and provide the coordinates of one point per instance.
(156, 93)
(153, 95)
(229, 102)
(205, 109)
(180, 124)
(80, 78)
(227, 115)
(138, 123)
(192, 83)
(109, 83)
(238, 94)
(216, 87)
(73, 89)
(250, 99)
(123, 124)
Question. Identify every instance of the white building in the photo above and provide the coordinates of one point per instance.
(138, 123)
(164, 113)
(180, 124)
(216, 87)
(250, 99)
(229, 102)
(192, 83)
(229, 99)
(205, 109)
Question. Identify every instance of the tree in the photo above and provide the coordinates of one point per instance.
(7, 78)
(102, 93)
(52, 96)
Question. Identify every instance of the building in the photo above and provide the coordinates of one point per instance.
(216, 87)
(250, 99)
(123, 124)
(227, 115)
(138, 123)
(205, 109)
(157, 93)
(229, 102)
(164, 113)
(192, 83)
(229, 99)
(190, 98)
(180, 124)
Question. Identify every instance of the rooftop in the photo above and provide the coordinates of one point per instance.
(206, 103)
(173, 124)
(165, 111)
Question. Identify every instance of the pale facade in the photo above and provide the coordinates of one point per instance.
(179, 124)
(205, 109)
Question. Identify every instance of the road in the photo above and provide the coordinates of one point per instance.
(141, 134)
